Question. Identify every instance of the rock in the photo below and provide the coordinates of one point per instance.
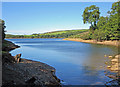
(47, 83)
(7, 58)
(114, 69)
(52, 71)
(112, 76)
(105, 55)
(108, 66)
(110, 56)
(9, 84)
(106, 62)
(113, 63)
(19, 55)
(17, 58)
(26, 73)
(114, 60)
(117, 56)
(31, 81)
(8, 46)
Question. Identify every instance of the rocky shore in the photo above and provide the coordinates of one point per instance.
(19, 71)
(113, 65)
(113, 43)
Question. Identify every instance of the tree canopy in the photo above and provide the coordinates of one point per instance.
(104, 28)
(2, 27)
(91, 15)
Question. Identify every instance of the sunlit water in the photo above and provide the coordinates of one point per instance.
(76, 63)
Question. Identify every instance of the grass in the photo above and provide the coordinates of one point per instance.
(54, 34)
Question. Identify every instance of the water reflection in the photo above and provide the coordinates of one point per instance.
(76, 63)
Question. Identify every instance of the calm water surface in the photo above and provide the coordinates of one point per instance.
(76, 63)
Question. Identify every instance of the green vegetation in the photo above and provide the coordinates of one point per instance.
(91, 15)
(102, 28)
(2, 27)
(4, 42)
(55, 34)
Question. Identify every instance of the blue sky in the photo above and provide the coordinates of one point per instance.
(39, 17)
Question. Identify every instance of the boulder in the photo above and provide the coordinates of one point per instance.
(110, 56)
(114, 61)
(117, 56)
(108, 66)
(18, 58)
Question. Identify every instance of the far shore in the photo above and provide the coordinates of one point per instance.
(113, 43)
(33, 38)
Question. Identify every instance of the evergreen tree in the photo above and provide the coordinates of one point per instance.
(2, 27)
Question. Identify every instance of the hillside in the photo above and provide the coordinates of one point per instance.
(80, 35)
(54, 34)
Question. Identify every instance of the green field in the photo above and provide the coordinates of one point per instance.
(54, 34)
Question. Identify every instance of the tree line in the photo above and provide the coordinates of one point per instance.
(102, 28)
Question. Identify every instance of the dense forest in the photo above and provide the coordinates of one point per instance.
(55, 34)
(102, 28)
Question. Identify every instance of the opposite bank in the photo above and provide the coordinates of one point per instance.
(113, 43)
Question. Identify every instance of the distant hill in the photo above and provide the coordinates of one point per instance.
(54, 34)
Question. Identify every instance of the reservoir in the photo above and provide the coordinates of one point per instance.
(76, 63)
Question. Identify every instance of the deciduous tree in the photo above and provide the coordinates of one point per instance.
(91, 15)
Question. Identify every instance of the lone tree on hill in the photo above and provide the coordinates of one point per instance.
(91, 15)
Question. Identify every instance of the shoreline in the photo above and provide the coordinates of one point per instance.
(20, 71)
(113, 66)
(33, 38)
(112, 43)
